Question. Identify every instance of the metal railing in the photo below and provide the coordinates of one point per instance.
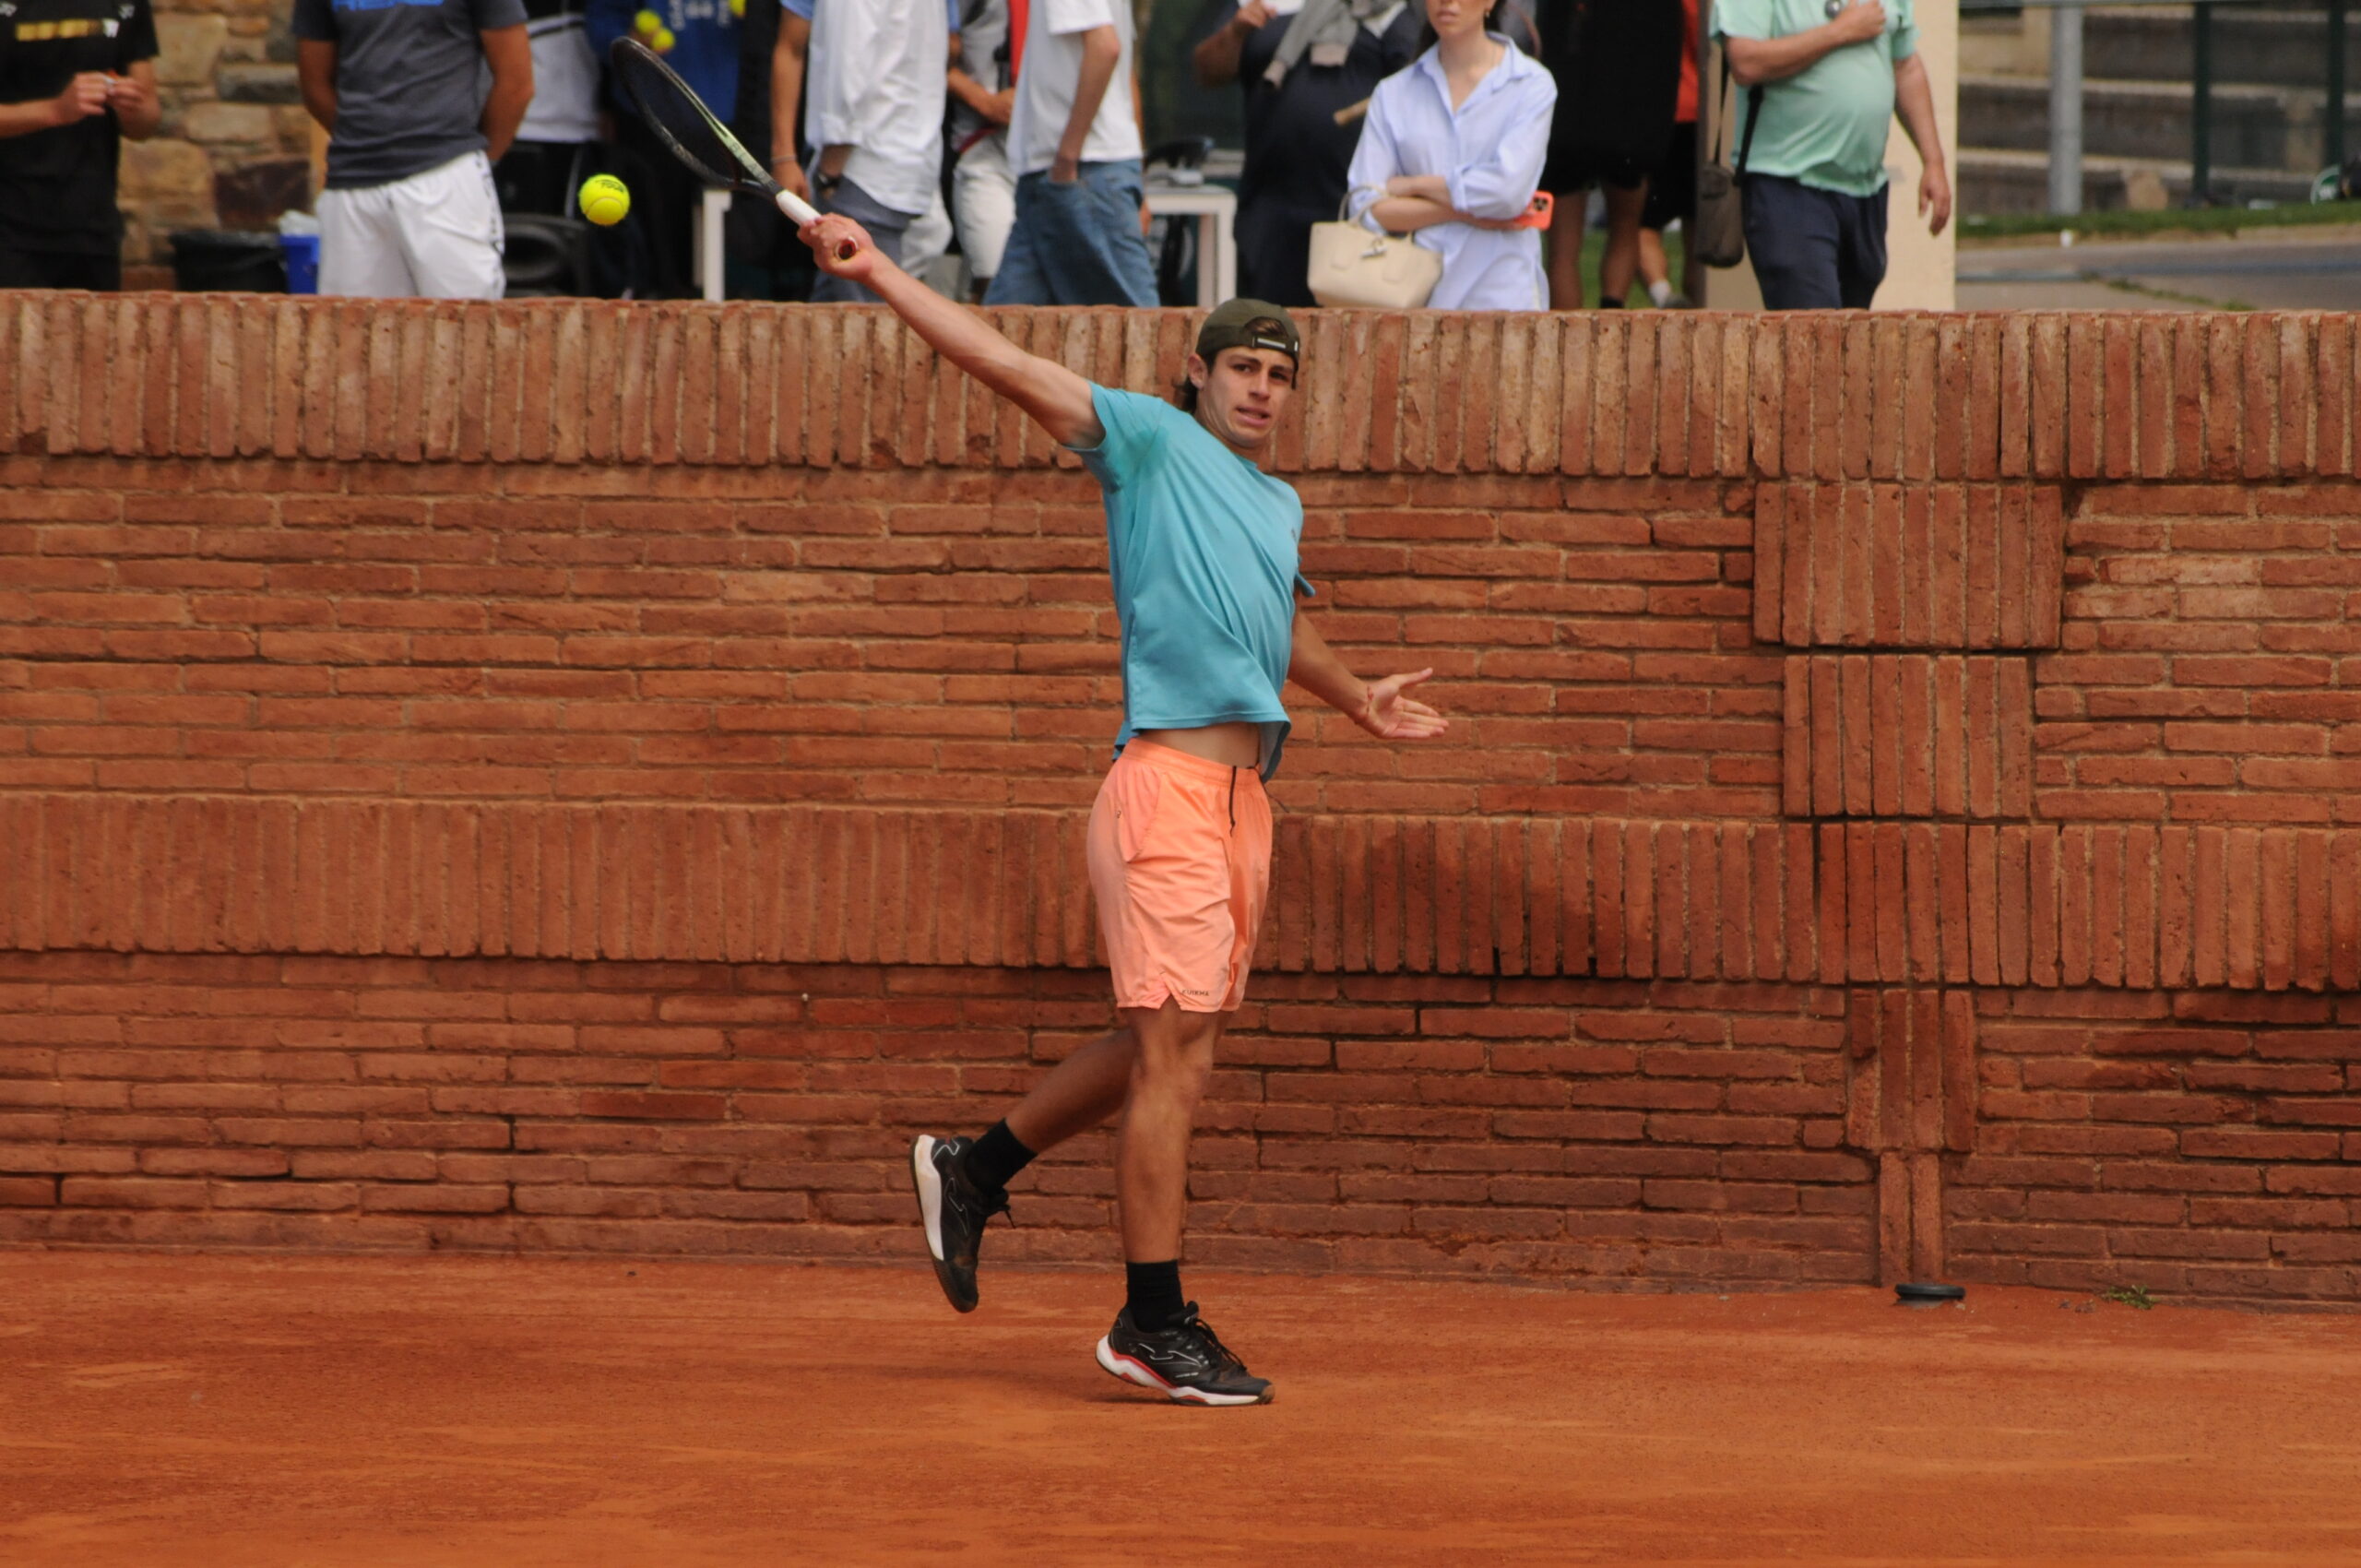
(2066, 88)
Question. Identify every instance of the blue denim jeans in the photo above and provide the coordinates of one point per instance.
(1077, 243)
(885, 227)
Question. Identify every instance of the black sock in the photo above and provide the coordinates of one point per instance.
(1155, 1291)
(996, 1158)
(1610, 305)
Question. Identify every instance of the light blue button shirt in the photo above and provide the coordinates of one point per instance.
(1490, 150)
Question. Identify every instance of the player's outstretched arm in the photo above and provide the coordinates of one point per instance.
(1056, 398)
(1377, 706)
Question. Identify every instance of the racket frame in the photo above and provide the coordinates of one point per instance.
(630, 56)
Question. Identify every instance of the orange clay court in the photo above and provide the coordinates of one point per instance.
(168, 1411)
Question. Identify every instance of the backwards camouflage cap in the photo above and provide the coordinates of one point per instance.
(1248, 323)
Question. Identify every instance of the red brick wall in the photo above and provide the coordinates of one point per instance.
(595, 778)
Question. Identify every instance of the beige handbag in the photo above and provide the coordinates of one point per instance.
(1353, 267)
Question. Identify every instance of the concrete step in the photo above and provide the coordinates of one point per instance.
(2254, 126)
(1996, 181)
(2280, 48)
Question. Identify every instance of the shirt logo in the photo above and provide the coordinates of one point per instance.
(73, 26)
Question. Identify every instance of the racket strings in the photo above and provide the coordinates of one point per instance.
(674, 112)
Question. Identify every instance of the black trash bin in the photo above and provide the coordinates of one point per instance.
(543, 255)
(228, 259)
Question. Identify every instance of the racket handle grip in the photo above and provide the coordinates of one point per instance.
(804, 212)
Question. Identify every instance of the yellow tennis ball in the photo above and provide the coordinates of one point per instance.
(738, 8)
(604, 200)
(663, 41)
(648, 22)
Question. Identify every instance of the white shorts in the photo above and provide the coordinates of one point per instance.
(928, 237)
(435, 236)
(983, 190)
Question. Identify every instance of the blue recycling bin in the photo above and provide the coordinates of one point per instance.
(302, 253)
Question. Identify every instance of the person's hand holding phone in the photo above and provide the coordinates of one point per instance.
(86, 95)
(128, 94)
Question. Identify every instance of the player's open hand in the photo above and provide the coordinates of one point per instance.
(842, 247)
(1390, 715)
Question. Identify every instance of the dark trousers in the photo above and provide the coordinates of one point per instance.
(1813, 249)
(663, 208)
(542, 176)
(59, 269)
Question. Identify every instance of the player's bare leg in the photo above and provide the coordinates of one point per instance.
(1078, 1093)
(1174, 1057)
(1159, 1341)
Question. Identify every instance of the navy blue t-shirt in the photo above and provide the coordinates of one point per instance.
(411, 81)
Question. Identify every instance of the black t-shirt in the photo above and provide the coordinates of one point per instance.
(1618, 66)
(57, 185)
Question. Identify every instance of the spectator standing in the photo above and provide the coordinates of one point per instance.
(1672, 189)
(556, 146)
(871, 93)
(77, 76)
(1452, 155)
(1617, 68)
(1813, 197)
(418, 101)
(1073, 143)
(703, 53)
(983, 98)
(771, 263)
(1299, 62)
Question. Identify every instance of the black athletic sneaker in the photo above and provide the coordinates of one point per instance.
(1184, 1362)
(952, 1210)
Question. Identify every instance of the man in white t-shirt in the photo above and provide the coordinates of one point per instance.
(874, 107)
(1074, 143)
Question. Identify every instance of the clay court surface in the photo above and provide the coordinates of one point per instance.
(179, 1411)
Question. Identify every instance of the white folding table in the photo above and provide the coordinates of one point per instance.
(1216, 210)
(1214, 207)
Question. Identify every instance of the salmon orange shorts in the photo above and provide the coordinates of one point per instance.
(1181, 861)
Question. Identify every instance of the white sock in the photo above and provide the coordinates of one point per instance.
(1661, 291)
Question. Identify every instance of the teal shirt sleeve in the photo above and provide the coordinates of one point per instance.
(1743, 18)
(1905, 30)
(1130, 425)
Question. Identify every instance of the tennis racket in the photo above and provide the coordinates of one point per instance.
(695, 137)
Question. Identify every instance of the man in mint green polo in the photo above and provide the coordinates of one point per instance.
(1824, 77)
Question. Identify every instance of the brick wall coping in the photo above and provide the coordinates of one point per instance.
(2070, 394)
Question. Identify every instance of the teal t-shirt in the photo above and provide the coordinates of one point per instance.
(1826, 124)
(1201, 547)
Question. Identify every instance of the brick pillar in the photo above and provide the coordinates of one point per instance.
(1911, 612)
(1910, 1099)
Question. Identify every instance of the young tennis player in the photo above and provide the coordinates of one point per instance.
(1201, 547)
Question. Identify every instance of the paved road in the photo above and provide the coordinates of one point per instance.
(2306, 273)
